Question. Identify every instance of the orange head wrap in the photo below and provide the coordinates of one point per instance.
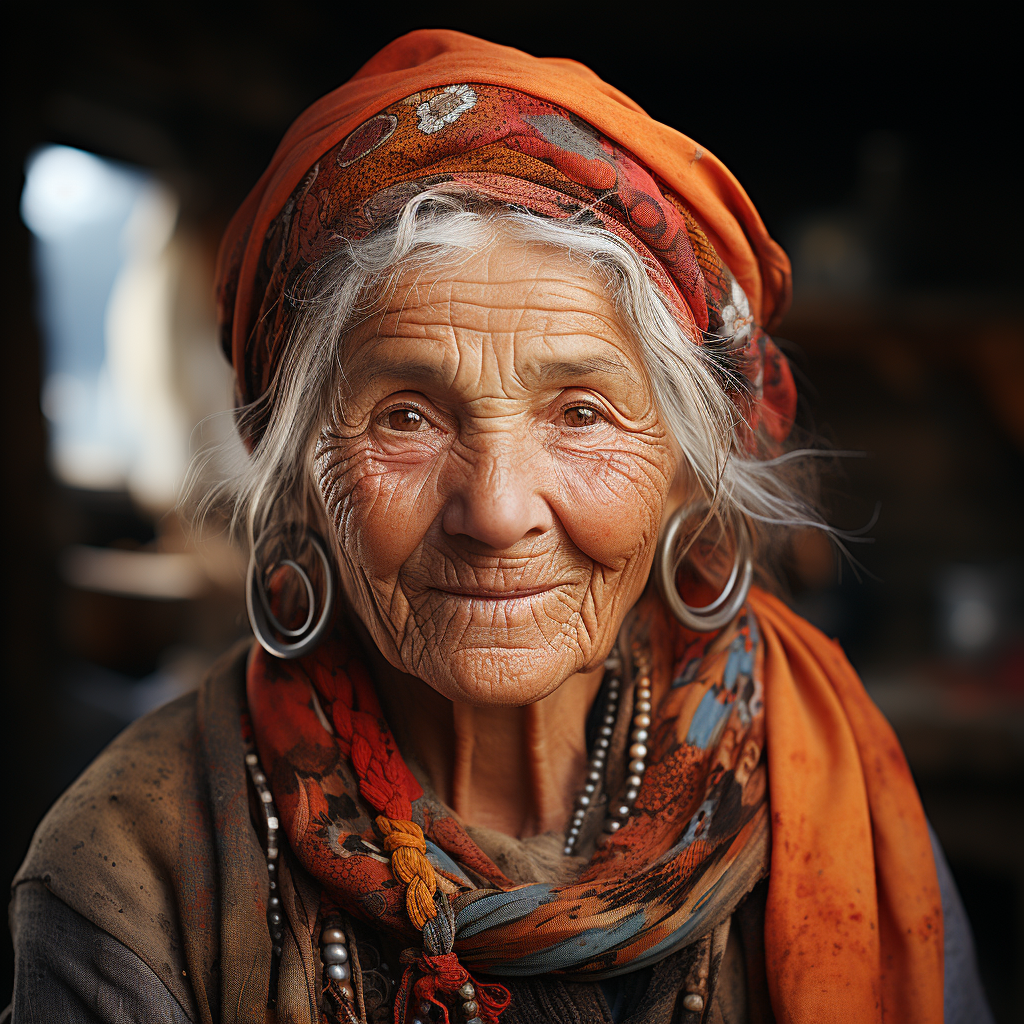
(542, 134)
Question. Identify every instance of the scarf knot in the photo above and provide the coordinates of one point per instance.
(443, 975)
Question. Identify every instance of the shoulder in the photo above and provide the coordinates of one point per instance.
(128, 839)
(125, 800)
(115, 807)
(964, 997)
(68, 969)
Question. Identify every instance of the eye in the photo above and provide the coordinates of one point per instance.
(405, 419)
(580, 416)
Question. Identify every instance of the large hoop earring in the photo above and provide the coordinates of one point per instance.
(265, 624)
(726, 606)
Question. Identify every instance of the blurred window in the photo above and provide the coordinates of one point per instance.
(100, 229)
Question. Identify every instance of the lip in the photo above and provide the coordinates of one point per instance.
(477, 594)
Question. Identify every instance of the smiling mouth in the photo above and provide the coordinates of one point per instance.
(481, 594)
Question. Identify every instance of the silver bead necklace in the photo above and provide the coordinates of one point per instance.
(337, 968)
(275, 918)
(618, 813)
(337, 973)
(470, 1007)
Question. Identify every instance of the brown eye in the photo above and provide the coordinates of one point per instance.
(580, 416)
(405, 419)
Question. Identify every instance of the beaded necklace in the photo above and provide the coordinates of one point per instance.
(275, 917)
(619, 812)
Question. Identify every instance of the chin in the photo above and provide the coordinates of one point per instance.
(499, 676)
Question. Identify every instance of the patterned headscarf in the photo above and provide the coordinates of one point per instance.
(510, 146)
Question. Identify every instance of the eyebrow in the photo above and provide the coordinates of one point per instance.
(410, 370)
(576, 368)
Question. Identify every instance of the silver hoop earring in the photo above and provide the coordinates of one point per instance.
(265, 624)
(726, 606)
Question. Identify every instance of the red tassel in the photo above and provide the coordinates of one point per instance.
(444, 976)
(492, 999)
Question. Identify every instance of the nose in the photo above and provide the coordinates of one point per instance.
(497, 499)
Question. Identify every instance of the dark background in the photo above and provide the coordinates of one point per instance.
(881, 146)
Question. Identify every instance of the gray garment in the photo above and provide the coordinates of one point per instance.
(963, 999)
(68, 970)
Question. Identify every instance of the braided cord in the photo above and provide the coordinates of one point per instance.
(404, 841)
(386, 783)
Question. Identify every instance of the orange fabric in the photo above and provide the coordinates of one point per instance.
(853, 928)
(433, 58)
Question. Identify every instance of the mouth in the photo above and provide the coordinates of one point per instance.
(488, 594)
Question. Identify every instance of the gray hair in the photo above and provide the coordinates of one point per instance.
(695, 379)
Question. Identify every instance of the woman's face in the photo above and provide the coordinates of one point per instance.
(498, 475)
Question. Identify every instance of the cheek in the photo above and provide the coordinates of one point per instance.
(611, 502)
(380, 508)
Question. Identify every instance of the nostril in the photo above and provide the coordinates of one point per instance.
(497, 523)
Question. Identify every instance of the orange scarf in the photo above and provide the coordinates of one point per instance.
(853, 927)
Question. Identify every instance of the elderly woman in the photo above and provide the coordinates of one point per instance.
(519, 739)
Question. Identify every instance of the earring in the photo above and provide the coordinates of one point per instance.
(262, 618)
(725, 607)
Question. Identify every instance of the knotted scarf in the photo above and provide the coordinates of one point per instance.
(761, 728)
(439, 108)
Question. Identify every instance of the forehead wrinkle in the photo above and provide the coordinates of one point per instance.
(439, 312)
(456, 293)
(517, 305)
(537, 370)
(555, 292)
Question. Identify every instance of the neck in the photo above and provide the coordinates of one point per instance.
(515, 770)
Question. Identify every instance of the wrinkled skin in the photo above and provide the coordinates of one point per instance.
(496, 483)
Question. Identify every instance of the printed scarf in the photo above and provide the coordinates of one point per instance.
(766, 714)
(359, 822)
